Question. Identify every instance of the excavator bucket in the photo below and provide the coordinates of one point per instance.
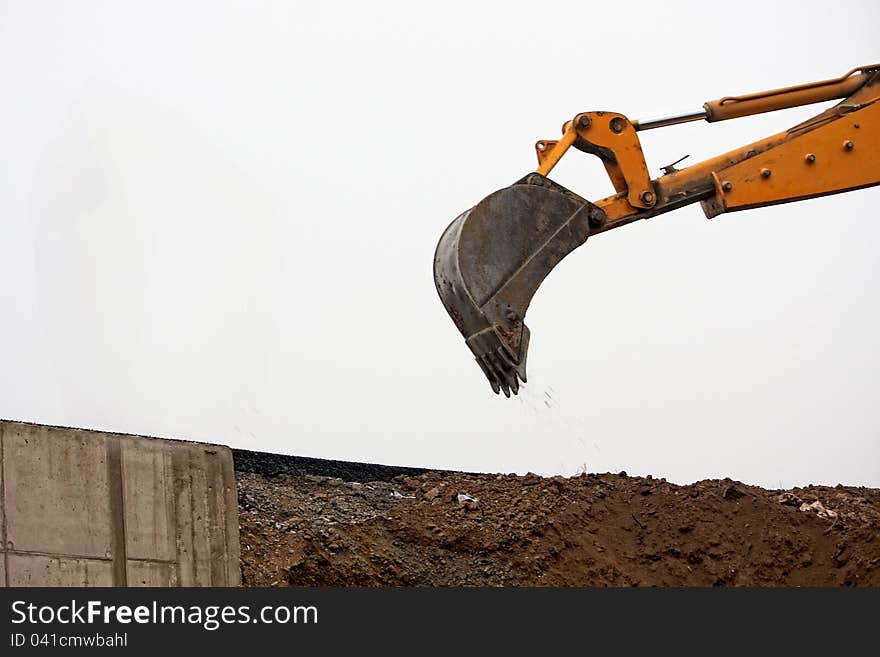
(491, 260)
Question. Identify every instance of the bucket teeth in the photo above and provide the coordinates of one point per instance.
(490, 374)
(491, 260)
(503, 369)
(500, 371)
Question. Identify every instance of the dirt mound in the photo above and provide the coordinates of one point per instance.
(447, 529)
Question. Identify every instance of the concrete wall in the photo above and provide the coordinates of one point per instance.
(84, 508)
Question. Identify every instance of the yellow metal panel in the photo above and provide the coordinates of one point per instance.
(836, 157)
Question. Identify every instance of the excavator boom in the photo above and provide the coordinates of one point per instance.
(491, 259)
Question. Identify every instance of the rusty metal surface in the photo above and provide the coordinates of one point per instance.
(491, 260)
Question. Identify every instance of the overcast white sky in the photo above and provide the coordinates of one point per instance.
(218, 223)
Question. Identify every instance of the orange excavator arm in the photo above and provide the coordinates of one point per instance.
(836, 151)
(492, 258)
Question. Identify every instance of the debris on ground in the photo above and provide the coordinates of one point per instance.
(819, 509)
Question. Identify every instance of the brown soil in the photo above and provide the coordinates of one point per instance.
(588, 530)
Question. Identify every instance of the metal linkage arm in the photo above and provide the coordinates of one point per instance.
(836, 151)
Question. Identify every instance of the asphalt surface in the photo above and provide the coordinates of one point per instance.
(269, 465)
